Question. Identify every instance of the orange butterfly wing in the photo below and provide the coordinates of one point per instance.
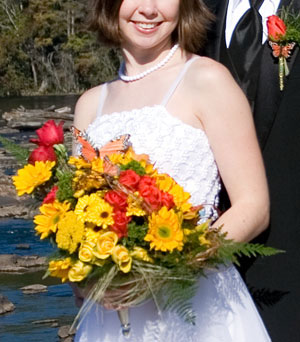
(282, 51)
(118, 145)
(110, 168)
(88, 152)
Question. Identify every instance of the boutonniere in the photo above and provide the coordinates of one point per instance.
(283, 35)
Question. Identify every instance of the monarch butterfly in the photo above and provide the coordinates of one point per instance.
(282, 50)
(89, 152)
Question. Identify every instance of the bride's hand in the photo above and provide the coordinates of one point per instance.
(110, 298)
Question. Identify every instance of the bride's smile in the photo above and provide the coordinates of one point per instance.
(147, 24)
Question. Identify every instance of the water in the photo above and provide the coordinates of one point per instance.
(57, 303)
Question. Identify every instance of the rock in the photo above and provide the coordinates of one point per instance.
(65, 333)
(68, 339)
(23, 246)
(35, 118)
(63, 110)
(13, 263)
(5, 305)
(31, 289)
(46, 321)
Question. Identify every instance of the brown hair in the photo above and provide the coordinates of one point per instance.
(194, 18)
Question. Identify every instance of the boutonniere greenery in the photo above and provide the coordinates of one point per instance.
(283, 35)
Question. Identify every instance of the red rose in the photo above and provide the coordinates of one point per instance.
(130, 179)
(146, 181)
(50, 198)
(42, 153)
(152, 196)
(49, 134)
(167, 200)
(276, 28)
(120, 224)
(117, 199)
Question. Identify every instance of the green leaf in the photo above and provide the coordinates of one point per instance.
(20, 153)
(135, 166)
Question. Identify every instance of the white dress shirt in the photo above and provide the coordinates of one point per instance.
(236, 9)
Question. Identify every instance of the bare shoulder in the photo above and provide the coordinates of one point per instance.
(205, 73)
(86, 107)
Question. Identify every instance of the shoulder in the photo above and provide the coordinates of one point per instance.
(86, 107)
(213, 81)
(205, 73)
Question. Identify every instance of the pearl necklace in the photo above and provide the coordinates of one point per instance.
(126, 78)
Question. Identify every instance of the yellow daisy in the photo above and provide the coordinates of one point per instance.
(52, 213)
(32, 176)
(60, 268)
(94, 209)
(168, 184)
(165, 233)
(70, 232)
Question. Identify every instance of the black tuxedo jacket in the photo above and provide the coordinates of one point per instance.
(274, 281)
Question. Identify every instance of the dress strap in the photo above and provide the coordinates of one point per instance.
(102, 99)
(177, 81)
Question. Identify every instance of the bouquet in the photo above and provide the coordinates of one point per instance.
(121, 226)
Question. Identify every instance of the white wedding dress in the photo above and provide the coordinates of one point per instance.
(224, 309)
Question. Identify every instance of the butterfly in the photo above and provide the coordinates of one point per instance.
(282, 50)
(89, 152)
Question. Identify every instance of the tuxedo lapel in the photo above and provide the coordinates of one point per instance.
(216, 35)
(269, 97)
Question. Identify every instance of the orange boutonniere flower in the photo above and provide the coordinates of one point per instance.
(283, 35)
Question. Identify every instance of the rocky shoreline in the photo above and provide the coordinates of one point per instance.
(19, 125)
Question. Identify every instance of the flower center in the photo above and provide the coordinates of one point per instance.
(164, 232)
(104, 215)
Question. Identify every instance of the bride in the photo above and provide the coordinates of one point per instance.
(190, 117)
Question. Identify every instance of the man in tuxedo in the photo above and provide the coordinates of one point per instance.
(274, 281)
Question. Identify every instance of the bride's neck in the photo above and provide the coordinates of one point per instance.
(138, 60)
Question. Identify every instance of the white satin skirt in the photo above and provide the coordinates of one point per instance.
(224, 309)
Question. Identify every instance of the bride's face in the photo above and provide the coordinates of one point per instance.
(145, 24)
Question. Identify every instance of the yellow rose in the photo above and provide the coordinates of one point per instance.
(86, 252)
(141, 254)
(122, 258)
(79, 271)
(105, 244)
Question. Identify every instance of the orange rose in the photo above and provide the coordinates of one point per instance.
(276, 28)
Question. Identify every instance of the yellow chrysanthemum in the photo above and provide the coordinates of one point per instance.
(32, 176)
(134, 206)
(79, 271)
(92, 208)
(79, 163)
(122, 258)
(86, 181)
(52, 213)
(97, 165)
(60, 268)
(140, 253)
(119, 158)
(70, 232)
(165, 233)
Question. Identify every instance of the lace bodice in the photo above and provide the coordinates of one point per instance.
(176, 148)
